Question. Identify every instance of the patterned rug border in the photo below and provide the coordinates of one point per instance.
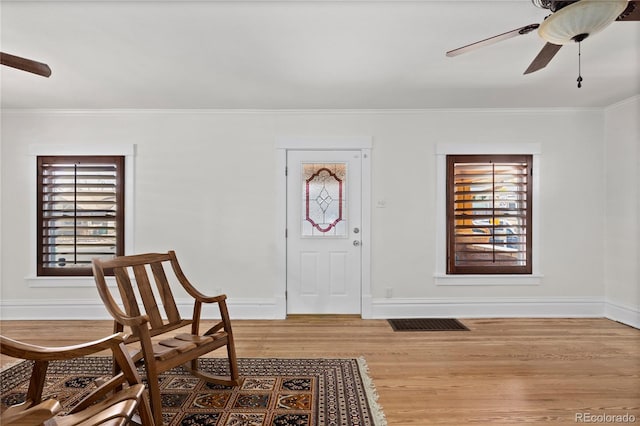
(10, 372)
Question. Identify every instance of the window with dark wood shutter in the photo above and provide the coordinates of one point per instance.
(80, 212)
(489, 214)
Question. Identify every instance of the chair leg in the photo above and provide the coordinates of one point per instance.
(154, 394)
(144, 411)
(233, 363)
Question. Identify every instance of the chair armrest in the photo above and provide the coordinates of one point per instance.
(118, 314)
(211, 299)
(26, 414)
(193, 292)
(28, 351)
(200, 297)
(129, 321)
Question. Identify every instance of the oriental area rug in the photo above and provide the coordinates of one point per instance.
(273, 392)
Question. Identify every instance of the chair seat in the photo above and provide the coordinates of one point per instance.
(199, 340)
(161, 352)
(178, 345)
(181, 343)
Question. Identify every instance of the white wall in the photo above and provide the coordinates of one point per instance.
(622, 220)
(205, 184)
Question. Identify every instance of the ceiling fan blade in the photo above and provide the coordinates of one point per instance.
(631, 13)
(25, 64)
(491, 40)
(544, 57)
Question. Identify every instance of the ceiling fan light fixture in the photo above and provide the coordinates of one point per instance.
(579, 20)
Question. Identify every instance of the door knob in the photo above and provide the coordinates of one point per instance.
(356, 243)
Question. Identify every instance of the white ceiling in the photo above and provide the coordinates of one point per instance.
(322, 54)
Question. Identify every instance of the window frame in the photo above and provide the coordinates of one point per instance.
(120, 179)
(440, 276)
(496, 268)
(125, 149)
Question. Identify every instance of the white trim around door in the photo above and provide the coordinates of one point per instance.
(284, 144)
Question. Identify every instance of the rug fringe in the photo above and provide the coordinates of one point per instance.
(379, 418)
(11, 364)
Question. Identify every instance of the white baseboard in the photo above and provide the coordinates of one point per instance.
(623, 314)
(95, 310)
(488, 308)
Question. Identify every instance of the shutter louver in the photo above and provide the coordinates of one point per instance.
(80, 204)
(489, 205)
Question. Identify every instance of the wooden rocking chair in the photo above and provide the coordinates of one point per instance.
(163, 353)
(108, 405)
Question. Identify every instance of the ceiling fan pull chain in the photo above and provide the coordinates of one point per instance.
(579, 70)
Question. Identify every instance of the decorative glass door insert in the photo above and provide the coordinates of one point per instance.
(324, 200)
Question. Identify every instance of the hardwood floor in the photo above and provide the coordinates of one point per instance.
(502, 371)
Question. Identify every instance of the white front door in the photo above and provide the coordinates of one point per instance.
(324, 232)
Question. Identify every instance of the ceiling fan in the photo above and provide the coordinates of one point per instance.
(569, 21)
(24, 64)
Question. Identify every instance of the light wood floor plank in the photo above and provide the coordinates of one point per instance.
(502, 371)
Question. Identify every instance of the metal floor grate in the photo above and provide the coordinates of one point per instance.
(427, 324)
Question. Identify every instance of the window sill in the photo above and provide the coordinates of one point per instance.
(488, 280)
(60, 282)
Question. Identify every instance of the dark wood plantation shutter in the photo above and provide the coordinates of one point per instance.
(80, 212)
(489, 214)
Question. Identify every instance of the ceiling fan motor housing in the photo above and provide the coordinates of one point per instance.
(552, 5)
(557, 5)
